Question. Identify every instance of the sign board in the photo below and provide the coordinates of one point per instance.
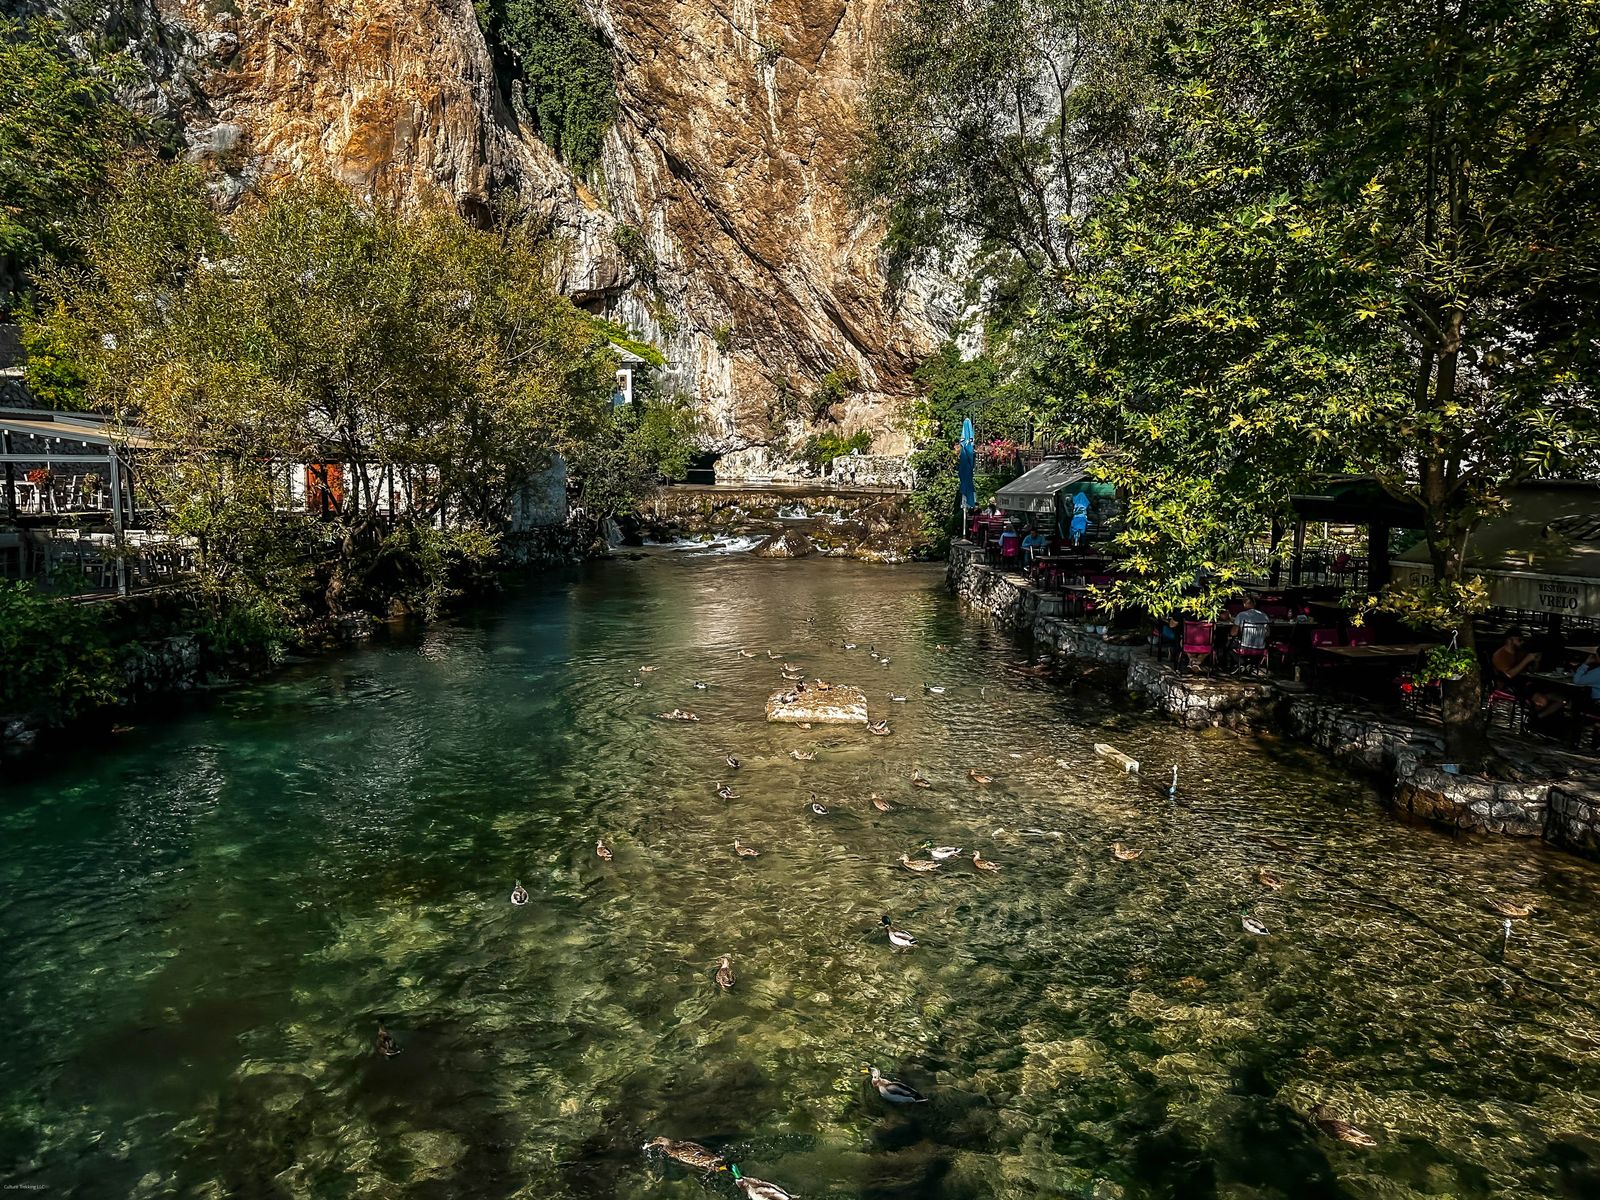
(1563, 595)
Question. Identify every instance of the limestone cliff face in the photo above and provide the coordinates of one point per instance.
(725, 172)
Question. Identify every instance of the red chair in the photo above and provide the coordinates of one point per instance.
(1504, 700)
(1251, 659)
(1199, 642)
(1010, 547)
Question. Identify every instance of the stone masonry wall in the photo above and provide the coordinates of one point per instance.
(1565, 812)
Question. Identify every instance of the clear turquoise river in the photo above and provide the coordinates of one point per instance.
(206, 916)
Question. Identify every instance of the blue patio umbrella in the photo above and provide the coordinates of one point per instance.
(969, 488)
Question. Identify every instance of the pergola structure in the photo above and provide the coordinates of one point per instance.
(1349, 500)
(42, 437)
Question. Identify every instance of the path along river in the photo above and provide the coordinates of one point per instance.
(204, 919)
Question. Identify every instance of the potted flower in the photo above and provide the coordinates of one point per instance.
(1443, 663)
(40, 477)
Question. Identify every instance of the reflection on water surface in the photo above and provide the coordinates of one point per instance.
(205, 921)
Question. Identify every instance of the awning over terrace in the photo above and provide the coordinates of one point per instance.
(1036, 490)
(1541, 555)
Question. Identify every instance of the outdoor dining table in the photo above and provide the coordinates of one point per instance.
(1375, 652)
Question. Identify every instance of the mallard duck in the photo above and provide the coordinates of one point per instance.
(941, 852)
(1255, 927)
(881, 729)
(519, 894)
(747, 654)
(893, 1090)
(385, 1042)
(678, 714)
(793, 678)
(1124, 853)
(744, 851)
(646, 670)
(879, 803)
(1269, 880)
(724, 973)
(932, 690)
(884, 661)
(803, 755)
(898, 937)
(1337, 1127)
(733, 761)
(917, 864)
(602, 850)
(690, 1154)
(980, 779)
(849, 645)
(724, 792)
(982, 863)
(819, 809)
(699, 685)
(918, 779)
(896, 699)
(759, 1189)
(872, 651)
(1509, 908)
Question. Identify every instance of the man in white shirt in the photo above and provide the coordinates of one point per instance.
(1252, 625)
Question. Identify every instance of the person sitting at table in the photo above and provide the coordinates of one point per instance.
(1303, 617)
(1169, 639)
(1250, 627)
(1511, 664)
(1034, 543)
(1009, 542)
(1588, 675)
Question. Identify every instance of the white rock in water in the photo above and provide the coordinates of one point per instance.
(834, 706)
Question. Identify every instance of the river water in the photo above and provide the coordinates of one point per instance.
(206, 916)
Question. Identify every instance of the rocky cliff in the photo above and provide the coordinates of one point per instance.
(717, 224)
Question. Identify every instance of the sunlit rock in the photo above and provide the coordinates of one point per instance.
(833, 705)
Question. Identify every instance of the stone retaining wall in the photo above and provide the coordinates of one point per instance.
(1563, 811)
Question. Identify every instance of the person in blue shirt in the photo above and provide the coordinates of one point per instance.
(1588, 675)
(1034, 544)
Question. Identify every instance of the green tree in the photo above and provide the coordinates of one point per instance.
(649, 442)
(1366, 241)
(60, 130)
(555, 54)
(434, 366)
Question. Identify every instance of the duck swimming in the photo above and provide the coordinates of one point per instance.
(747, 654)
(1336, 1127)
(894, 1091)
(932, 690)
(918, 779)
(724, 792)
(678, 714)
(724, 973)
(881, 729)
(941, 852)
(983, 864)
(980, 779)
(744, 851)
(519, 894)
(699, 685)
(1124, 853)
(1509, 908)
(898, 937)
(733, 761)
(897, 699)
(1267, 879)
(690, 1154)
(803, 756)
(879, 803)
(1255, 927)
(917, 864)
(849, 645)
(818, 809)
(385, 1042)
(602, 850)
(759, 1189)
(789, 666)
